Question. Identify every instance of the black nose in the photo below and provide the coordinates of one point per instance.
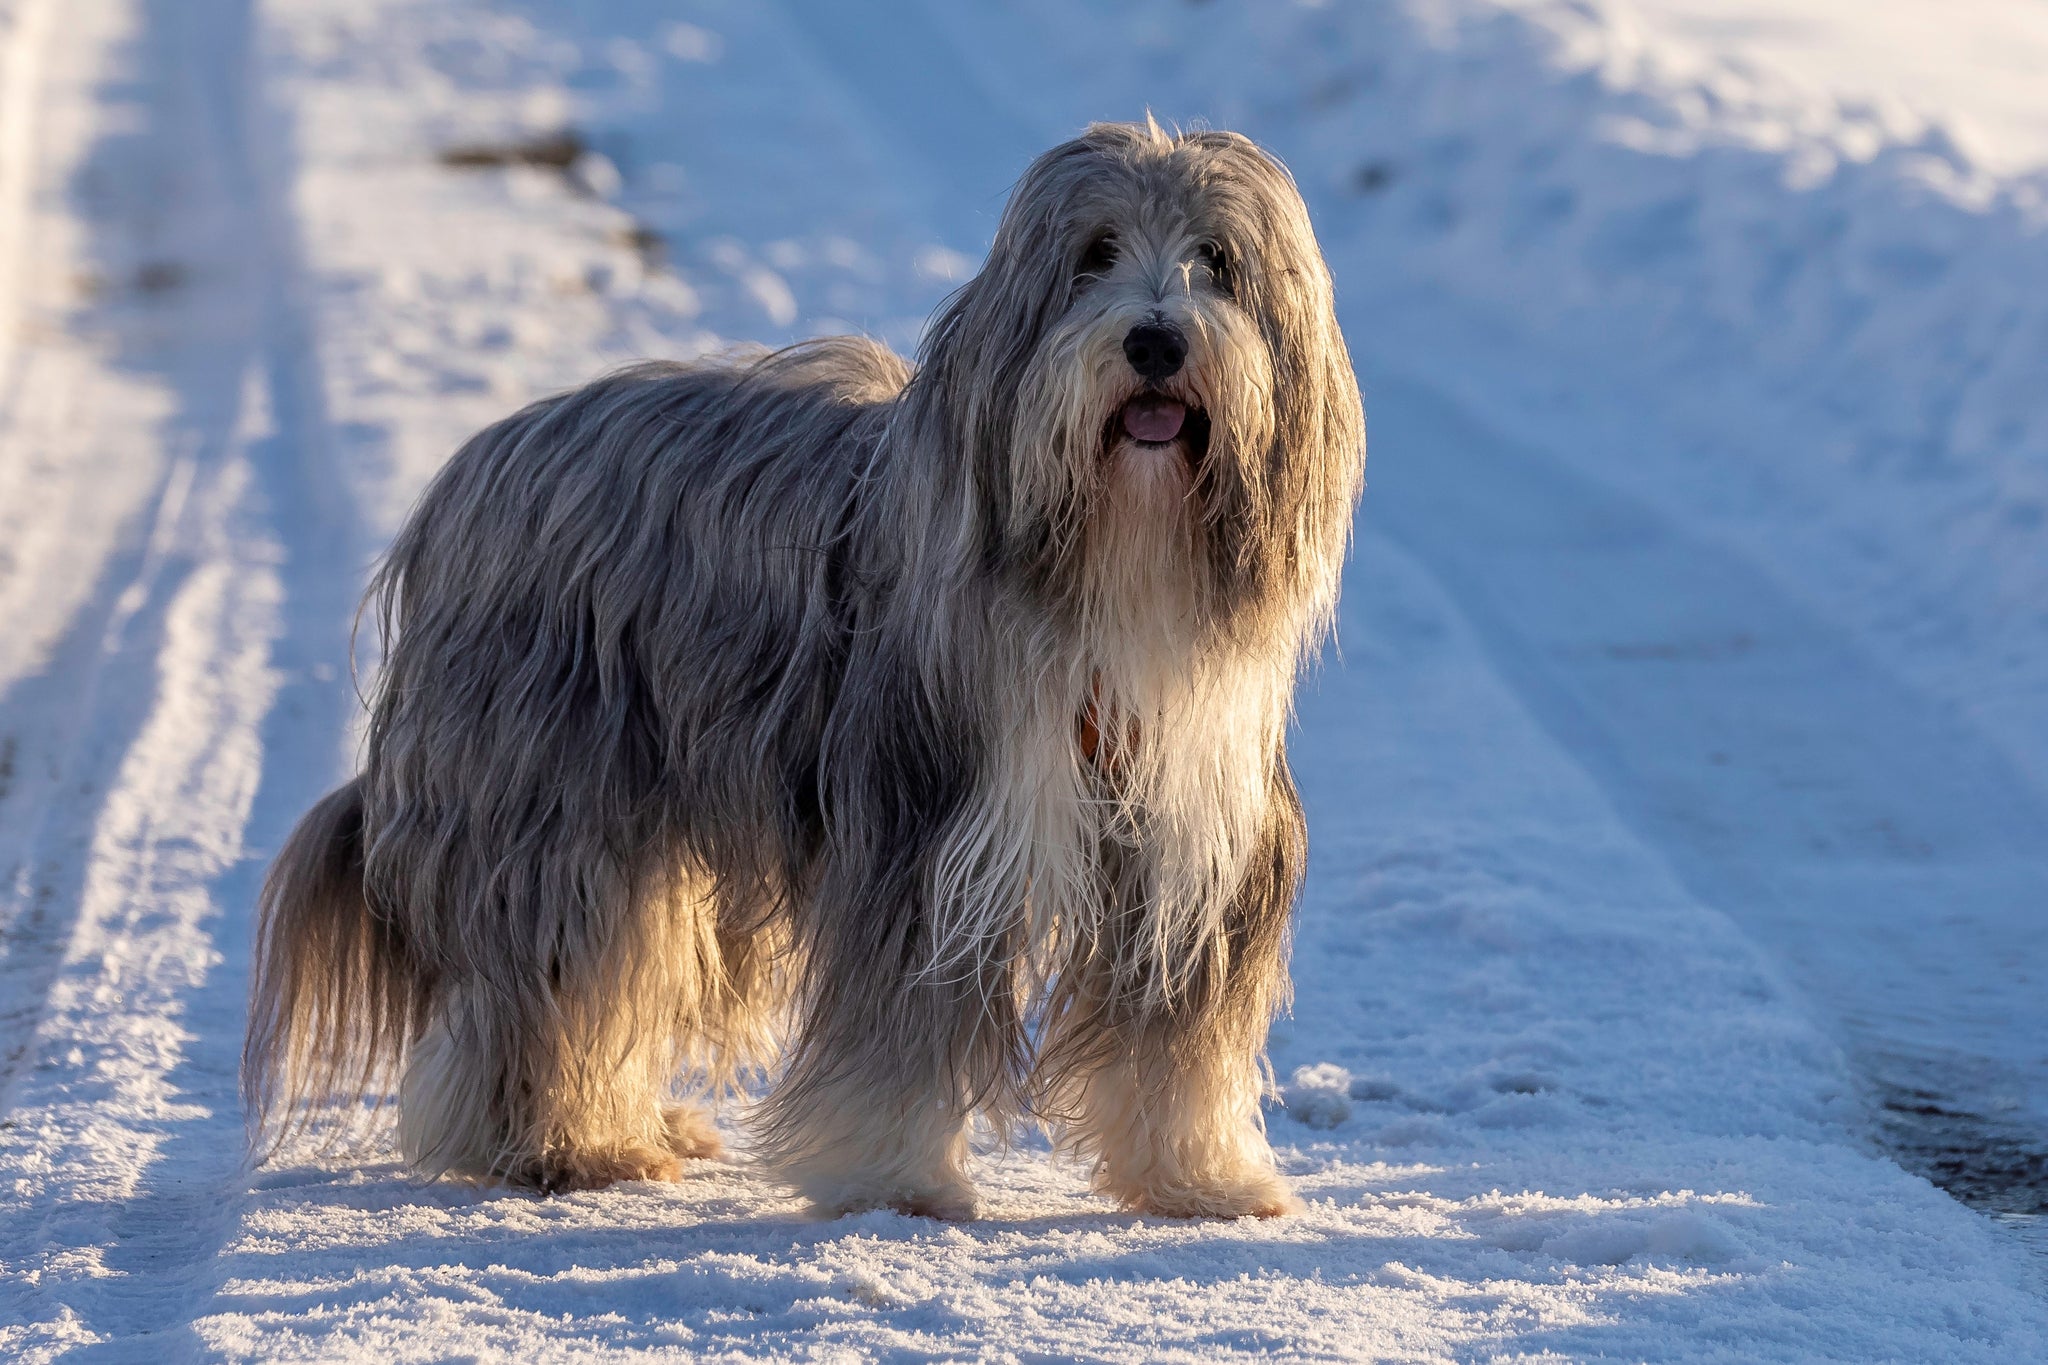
(1155, 349)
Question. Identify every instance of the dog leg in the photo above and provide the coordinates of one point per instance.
(449, 1119)
(873, 1108)
(691, 1134)
(464, 1111)
(860, 1149)
(560, 1078)
(625, 1030)
(1158, 1089)
(1178, 1136)
(1161, 1099)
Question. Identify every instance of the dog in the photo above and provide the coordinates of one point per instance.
(913, 735)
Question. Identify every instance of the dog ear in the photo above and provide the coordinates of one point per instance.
(1315, 466)
(1320, 431)
(981, 342)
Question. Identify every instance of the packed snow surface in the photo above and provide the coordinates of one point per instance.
(1676, 788)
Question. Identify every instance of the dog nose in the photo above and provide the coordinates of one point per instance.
(1155, 349)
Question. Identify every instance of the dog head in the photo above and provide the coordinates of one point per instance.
(1147, 378)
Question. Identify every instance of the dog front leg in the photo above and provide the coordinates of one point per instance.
(887, 1069)
(1158, 1089)
(1171, 1126)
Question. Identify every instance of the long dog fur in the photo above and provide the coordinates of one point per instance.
(918, 734)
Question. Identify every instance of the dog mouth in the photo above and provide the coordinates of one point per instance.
(1156, 419)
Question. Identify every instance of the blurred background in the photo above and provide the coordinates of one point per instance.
(1680, 766)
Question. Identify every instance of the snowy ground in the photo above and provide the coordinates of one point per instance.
(1677, 797)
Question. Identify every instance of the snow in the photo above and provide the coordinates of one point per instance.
(1676, 791)
(1973, 70)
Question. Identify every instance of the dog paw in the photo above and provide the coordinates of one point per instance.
(691, 1134)
(948, 1206)
(1257, 1194)
(947, 1203)
(567, 1171)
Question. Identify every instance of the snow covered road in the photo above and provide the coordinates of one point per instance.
(1676, 798)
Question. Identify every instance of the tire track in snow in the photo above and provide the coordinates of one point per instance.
(68, 726)
(1878, 846)
(86, 497)
(126, 1137)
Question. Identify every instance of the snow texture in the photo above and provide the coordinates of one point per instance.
(1676, 793)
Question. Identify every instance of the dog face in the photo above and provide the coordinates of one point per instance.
(1148, 371)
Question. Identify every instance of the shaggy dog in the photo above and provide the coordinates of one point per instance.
(919, 733)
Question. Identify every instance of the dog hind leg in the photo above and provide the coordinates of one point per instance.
(690, 1131)
(493, 1098)
(564, 1081)
(739, 1012)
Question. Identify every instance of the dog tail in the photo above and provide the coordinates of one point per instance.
(336, 992)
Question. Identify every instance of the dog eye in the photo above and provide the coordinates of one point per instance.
(1213, 256)
(1098, 258)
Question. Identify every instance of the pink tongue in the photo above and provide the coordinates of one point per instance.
(1153, 419)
